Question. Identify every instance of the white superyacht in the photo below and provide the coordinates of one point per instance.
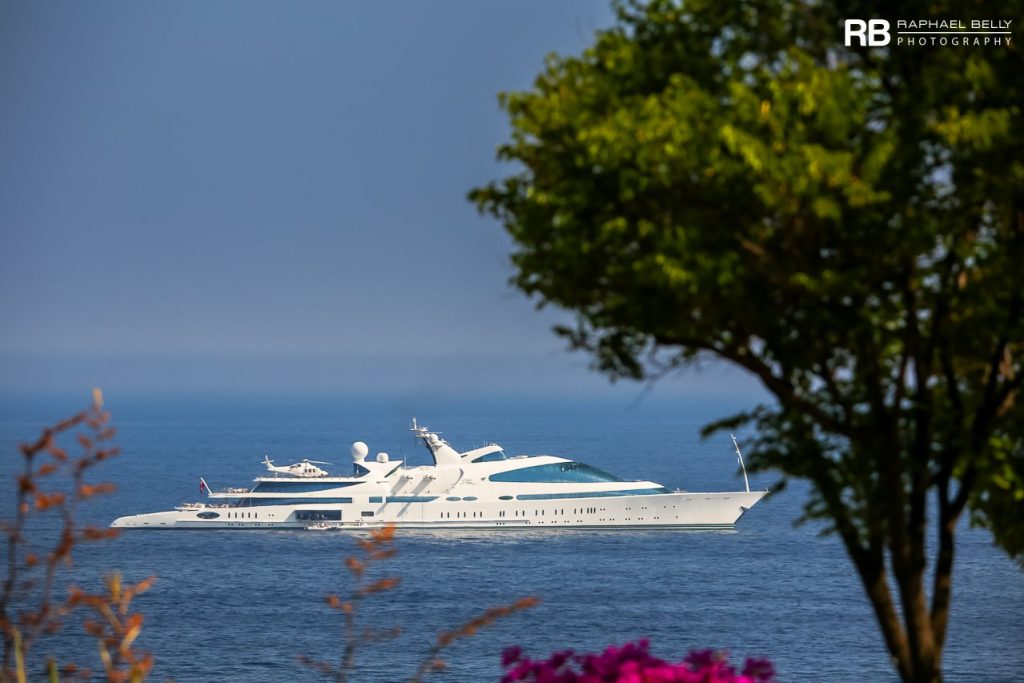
(482, 488)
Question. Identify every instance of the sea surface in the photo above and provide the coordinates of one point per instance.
(244, 605)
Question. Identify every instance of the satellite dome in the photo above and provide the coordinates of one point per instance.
(382, 457)
(359, 450)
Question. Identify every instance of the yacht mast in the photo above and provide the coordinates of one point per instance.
(739, 456)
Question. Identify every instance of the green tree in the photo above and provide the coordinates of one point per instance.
(847, 224)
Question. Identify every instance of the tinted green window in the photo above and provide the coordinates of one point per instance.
(295, 501)
(291, 486)
(492, 457)
(593, 494)
(556, 473)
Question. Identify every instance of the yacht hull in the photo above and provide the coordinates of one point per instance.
(679, 510)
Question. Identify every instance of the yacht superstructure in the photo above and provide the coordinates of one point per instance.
(479, 488)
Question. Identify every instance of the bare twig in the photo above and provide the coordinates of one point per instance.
(31, 576)
(432, 661)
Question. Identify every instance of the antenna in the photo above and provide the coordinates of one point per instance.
(739, 456)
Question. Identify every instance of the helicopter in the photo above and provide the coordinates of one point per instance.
(306, 468)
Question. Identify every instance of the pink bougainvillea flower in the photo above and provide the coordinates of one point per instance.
(632, 663)
(511, 655)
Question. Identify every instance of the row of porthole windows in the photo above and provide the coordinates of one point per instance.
(561, 511)
(230, 515)
(518, 513)
(445, 515)
(462, 515)
(455, 499)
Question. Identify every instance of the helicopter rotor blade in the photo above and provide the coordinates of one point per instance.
(320, 462)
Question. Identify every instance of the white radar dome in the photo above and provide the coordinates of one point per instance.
(382, 457)
(359, 450)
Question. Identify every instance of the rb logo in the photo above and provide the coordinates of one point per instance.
(873, 33)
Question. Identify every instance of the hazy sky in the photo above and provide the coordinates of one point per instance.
(222, 196)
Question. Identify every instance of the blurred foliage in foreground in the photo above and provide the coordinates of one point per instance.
(845, 223)
(52, 484)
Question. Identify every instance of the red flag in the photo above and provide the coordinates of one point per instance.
(202, 485)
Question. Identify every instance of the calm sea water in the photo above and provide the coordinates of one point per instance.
(243, 605)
